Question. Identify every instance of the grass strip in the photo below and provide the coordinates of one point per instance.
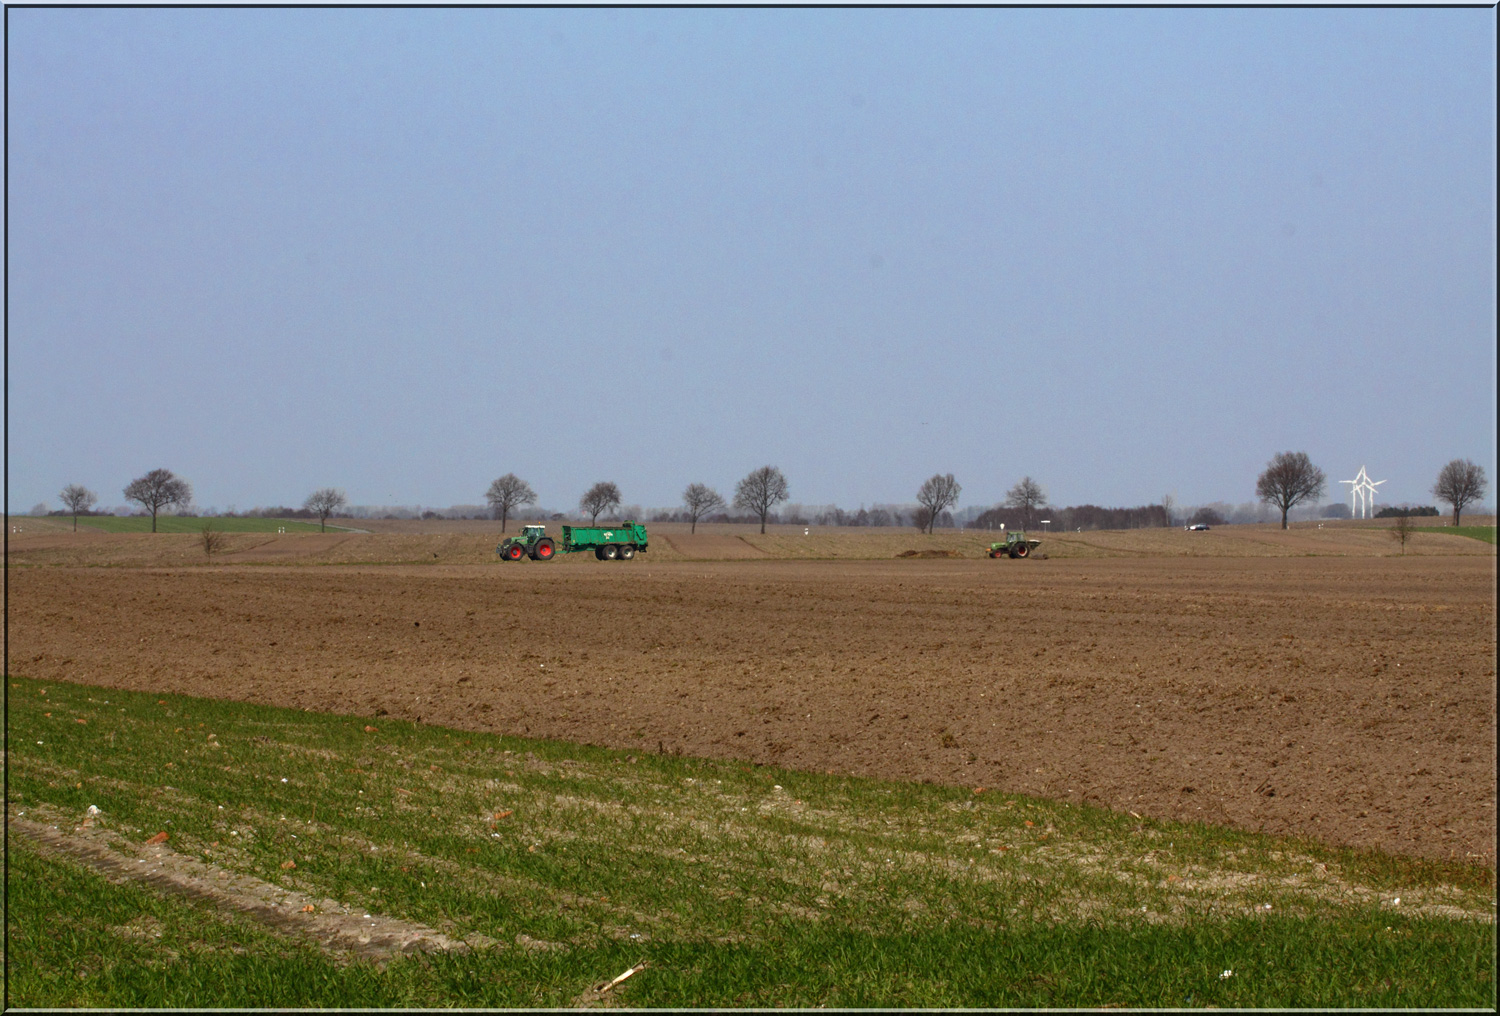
(739, 885)
(1484, 533)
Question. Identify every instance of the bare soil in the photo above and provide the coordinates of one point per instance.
(1350, 699)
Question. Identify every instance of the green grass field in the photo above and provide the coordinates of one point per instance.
(1485, 533)
(737, 885)
(191, 524)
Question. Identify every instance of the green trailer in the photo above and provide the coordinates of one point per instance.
(1014, 545)
(609, 543)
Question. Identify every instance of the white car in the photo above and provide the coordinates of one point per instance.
(1199, 528)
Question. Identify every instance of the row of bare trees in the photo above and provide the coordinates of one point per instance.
(759, 492)
(161, 489)
(1290, 478)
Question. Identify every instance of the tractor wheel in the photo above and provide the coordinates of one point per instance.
(515, 552)
(544, 551)
(1022, 550)
(599, 553)
(994, 553)
(610, 551)
(627, 552)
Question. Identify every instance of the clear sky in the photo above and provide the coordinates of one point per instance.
(402, 252)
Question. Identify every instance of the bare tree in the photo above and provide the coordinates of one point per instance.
(1026, 497)
(699, 499)
(1168, 503)
(1460, 483)
(1290, 478)
(601, 497)
(213, 540)
(761, 491)
(78, 498)
(158, 489)
(937, 493)
(324, 503)
(507, 494)
(1402, 530)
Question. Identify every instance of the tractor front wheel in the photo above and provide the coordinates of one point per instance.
(514, 552)
(610, 551)
(544, 551)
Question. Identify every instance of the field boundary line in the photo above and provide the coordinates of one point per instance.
(335, 927)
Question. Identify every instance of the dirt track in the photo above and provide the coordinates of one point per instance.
(1350, 699)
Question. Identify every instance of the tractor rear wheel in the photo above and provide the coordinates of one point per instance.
(627, 552)
(514, 552)
(544, 551)
(1022, 550)
(610, 551)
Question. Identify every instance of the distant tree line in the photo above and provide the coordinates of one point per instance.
(1084, 517)
(1289, 481)
(1405, 512)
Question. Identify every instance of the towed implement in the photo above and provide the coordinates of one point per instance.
(617, 543)
(1014, 545)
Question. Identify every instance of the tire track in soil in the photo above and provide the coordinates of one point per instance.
(335, 928)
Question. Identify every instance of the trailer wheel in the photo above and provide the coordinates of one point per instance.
(514, 552)
(627, 552)
(599, 553)
(544, 551)
(610, 551)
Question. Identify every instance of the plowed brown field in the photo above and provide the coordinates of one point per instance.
(1351, 699)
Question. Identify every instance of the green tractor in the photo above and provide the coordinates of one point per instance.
(1014, 545)
(533, 543)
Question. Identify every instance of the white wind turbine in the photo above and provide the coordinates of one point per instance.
(1362, 494)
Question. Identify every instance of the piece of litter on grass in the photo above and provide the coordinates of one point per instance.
(283, 779)
(610, 985)
(1226, 975)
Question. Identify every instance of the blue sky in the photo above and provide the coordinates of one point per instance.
(402, 252)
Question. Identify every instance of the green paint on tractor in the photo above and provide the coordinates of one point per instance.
(609, 543)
